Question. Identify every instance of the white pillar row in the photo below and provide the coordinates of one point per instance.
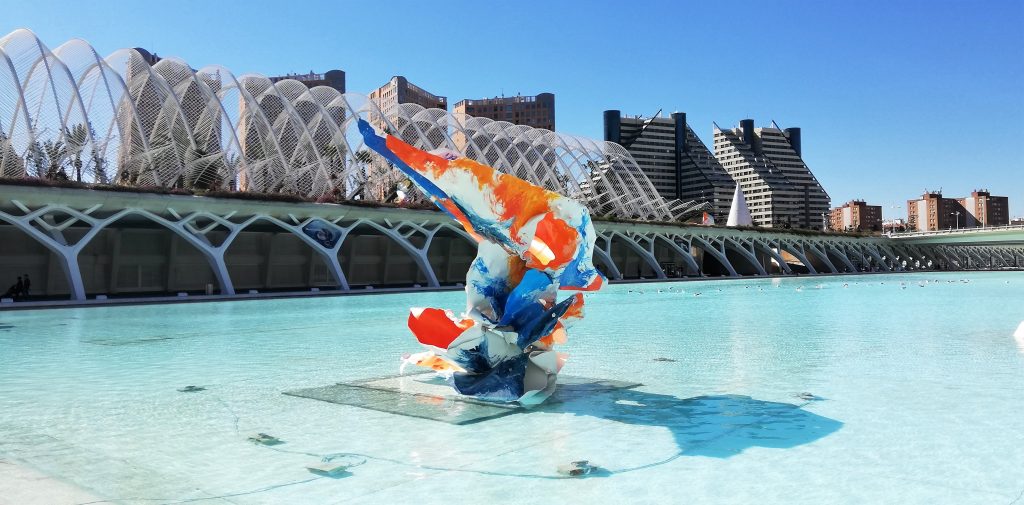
(687, 254)
(640, 250)
(718, 255)
(49, 225)
(66, 253)
(747, 254)
(605, 254)
(419, 254)
(841, 255)
(769, 250)
(797, 249)
(873, 252)
(329, 255)
(814, 249)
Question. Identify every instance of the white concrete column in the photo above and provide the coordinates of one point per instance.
(718, 255)
(800, 255)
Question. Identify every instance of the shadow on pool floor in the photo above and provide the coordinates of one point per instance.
(717, 426)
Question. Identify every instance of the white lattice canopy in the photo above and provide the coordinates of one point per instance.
(70, 113)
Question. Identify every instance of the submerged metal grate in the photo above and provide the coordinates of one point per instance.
(426, 396)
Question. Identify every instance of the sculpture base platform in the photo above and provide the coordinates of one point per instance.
(426, 396)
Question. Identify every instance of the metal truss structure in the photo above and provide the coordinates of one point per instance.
(121, 119)
(743, 253)
(980, 256)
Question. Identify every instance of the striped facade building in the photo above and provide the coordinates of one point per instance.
(674, 158)
(780, 189)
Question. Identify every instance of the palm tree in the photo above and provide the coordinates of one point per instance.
(56, 152)
(205, 170)
(76, 137)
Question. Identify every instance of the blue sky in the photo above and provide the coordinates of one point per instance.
(893, 96)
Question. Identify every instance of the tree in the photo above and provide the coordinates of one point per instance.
(333, 155)
(56, 152)
(204, 170)
(11, 165)
(76, 137)
(99, 166)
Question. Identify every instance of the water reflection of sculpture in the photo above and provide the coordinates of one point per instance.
(532, 243)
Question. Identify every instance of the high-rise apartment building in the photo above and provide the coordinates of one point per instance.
(983, 209)
(399, 90)
(535, 111)
(674, 158)
(856, 215)
(331, 78)
(766, 162)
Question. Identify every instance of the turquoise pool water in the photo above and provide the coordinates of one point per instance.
(919, 399)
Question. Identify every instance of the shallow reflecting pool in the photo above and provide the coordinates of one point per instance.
(915, 382)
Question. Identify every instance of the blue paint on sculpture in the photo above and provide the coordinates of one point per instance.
(531, 243)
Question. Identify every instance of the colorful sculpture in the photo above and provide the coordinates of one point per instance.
(532, 243)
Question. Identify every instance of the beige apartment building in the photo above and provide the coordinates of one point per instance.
(399, 90)
(856, 215)
(983, 209)
(932, 212)
(535, 111)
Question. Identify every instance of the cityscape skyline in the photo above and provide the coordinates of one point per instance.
(934, 113)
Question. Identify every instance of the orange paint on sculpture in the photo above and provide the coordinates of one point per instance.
(484, 174)
(455, 212)
(521, 202)
(435, 327)
(575, 311)
(560, 239)
(557, 336)
(513, 200)
(438, 364)
(420, 161)
(516, 271)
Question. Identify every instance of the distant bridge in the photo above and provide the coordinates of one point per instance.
(992, 247)
(81, 243)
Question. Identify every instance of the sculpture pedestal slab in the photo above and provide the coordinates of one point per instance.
(426, 396)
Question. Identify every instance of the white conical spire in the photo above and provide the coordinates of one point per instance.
(739, 214)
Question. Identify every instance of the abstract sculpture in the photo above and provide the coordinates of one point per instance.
(532, 243)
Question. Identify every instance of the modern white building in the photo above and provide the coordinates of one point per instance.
(781, 191)
(131, 119)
